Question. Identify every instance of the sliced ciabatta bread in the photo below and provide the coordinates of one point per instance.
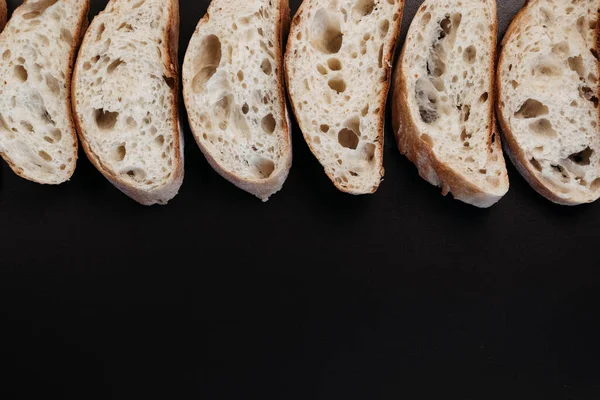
(234, 92)
(125, 89)
(338, 68)
(442, 102)
(38, 46)
(548, 98)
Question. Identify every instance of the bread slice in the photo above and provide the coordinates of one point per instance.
(125, 94)
(234, 91)
(3, 14)
(548, 98)
(37, 134)
(338, 68)
(442, 100)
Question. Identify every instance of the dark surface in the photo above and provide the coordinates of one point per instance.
(316, 294)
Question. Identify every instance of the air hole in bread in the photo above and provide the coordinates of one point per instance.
(548, 16)
(245, 109)
(531, 109)
(380, 56)
(536, 164)
(427, 99)
(139, 4)
(265, 66)
(470, 54)
(425, 19)
(170, 81)
(334, 64)
(324, 128)
(384, 28)
(326, 33)
(6, 55)
(120, 153)
(595, 185)
(576, 64)
(466, 112)
(131, 122)
(362, 8)
(52, 84)
(484, 97)
(365, 111)
(136, 174)
(21, 73)
(548, 68)
(561, 48)
(240, 75)
(125, 27)
(337, 84)
(439, 84)
(207, 62)
(269, 124)
(45, 156)
(543, 127)
(264, 166)
(348, 139)
(66, 36)
(583, 157)
(105, 119)
(56, 135)
(114, 65)
(588, 94)
(322, 70)
(27, 126)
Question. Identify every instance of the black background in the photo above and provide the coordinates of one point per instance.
(316, 295)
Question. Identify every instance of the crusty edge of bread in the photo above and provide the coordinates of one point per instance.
(70, 114)
(511, 147)
(382, 103)
(3, 14)
(167, 192)
(261, 188)
(421, 154)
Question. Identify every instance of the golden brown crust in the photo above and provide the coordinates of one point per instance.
(70, 117)
(171, 64)
(382, 105)
(262, 188)
(511, 146)
(3, 14)
(420, 152)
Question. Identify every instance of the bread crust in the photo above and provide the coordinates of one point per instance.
(511, 146)
(420, 152)
(383, 98)
(3, 14)
(165, 193)
(261, 188)
(69, 112)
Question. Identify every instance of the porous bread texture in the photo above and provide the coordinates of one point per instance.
(338, 65)
(37, 134)
(125, 97)
(548, 98)
(3, 14)
(235, 93)
(446, 78)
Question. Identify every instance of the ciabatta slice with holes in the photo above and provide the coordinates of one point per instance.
(234, 92)
(442, 102)
(338, 68)
(125, 93)
(548, 98)
(38, 46)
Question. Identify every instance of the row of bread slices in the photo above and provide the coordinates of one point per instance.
(121, 94)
